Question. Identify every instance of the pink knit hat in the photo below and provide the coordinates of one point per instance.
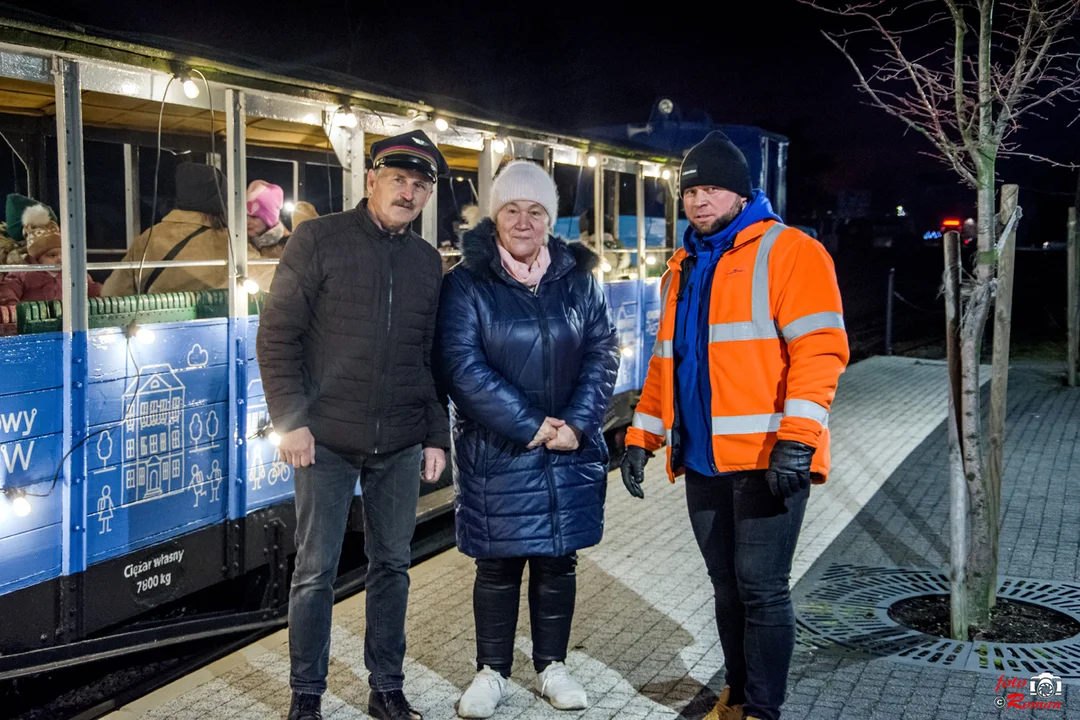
(264, 201)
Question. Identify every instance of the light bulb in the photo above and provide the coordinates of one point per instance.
(632, 276)
(606, 266)
(499, 146)
(144, 335)
(628, 352)
(441, 125)
(460, 179)
(592, 161)
(650, 259)
(250, 286)
(20, 506)
(274, 438)
(290, 206)
(666, 174)
(191, 89)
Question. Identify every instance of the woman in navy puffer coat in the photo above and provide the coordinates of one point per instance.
(527, 352)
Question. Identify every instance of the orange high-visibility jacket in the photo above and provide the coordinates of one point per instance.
(777, 347)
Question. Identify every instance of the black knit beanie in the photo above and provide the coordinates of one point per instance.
(715, 161)
(200, 188)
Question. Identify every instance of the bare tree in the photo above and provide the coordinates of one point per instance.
(967, 75)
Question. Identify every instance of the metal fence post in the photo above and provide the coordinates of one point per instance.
(598, 215)
(429, 216)
(1073, 302)
(132, 209)
(75, 312)
(236, 194)
(889, 312)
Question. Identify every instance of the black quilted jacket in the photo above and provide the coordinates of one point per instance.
(345, 338)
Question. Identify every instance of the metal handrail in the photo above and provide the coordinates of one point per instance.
(131, 265)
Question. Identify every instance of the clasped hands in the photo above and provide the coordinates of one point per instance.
(555, 434)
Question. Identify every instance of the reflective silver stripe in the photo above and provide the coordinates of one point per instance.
(807, 409)
(746, 424)
(649, 423)
(769, 422)
(760, 308)
(667, 438)
(664, 349)
(810, 323)
(732, 332)
(665, 286)
(761, 325)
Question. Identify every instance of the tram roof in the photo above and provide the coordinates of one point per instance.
(277, 120)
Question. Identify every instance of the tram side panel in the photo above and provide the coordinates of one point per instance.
(31, 424)
(269, 478)
(158, 466)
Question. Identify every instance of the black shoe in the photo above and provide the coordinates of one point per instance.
(391, 705)
(306, 707)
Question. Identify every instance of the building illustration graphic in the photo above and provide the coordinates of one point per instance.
(153, 434)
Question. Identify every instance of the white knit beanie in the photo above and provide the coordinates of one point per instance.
(523, 180)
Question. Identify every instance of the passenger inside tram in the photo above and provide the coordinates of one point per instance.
(265, 230)
(36, 223)
(616, 255)
(196, 229)
(302, 212)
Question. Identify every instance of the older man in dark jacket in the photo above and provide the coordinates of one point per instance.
(345, 353)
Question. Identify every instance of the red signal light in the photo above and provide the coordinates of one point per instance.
(951, 223)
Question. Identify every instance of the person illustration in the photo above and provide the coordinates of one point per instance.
(105, 509)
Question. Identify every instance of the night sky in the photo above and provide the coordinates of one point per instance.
(568, 67)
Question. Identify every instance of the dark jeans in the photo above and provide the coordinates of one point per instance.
(390, 486)
(552, 592)
(747, 538)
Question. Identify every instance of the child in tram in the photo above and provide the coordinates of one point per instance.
(43, 241)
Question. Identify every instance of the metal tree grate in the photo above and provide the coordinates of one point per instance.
(849, 607)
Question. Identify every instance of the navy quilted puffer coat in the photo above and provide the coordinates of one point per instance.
(508, 357)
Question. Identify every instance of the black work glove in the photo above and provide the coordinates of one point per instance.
(633, 469)
(789, 468)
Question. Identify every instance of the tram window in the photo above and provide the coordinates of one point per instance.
(456, 194)
(571, 181)
(322, 187)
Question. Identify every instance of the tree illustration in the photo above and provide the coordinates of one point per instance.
(195, 428)
(212, 424)
(104, 446)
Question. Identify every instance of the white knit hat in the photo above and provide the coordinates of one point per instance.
(523, 180)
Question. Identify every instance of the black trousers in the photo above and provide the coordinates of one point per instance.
(552, 592)
(747, 538)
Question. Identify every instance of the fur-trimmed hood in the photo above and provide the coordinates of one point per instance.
(481, 257)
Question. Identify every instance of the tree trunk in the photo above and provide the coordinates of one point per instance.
(958, 508)
(999, 377)
(981, 572)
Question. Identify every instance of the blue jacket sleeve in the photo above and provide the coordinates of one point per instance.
(477, 389)
(599, 368)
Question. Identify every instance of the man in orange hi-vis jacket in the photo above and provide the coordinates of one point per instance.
(750, 347)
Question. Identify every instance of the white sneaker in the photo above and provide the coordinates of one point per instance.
(561, 690)
(483, 696)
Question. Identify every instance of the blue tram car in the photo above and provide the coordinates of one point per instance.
(142, 499)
